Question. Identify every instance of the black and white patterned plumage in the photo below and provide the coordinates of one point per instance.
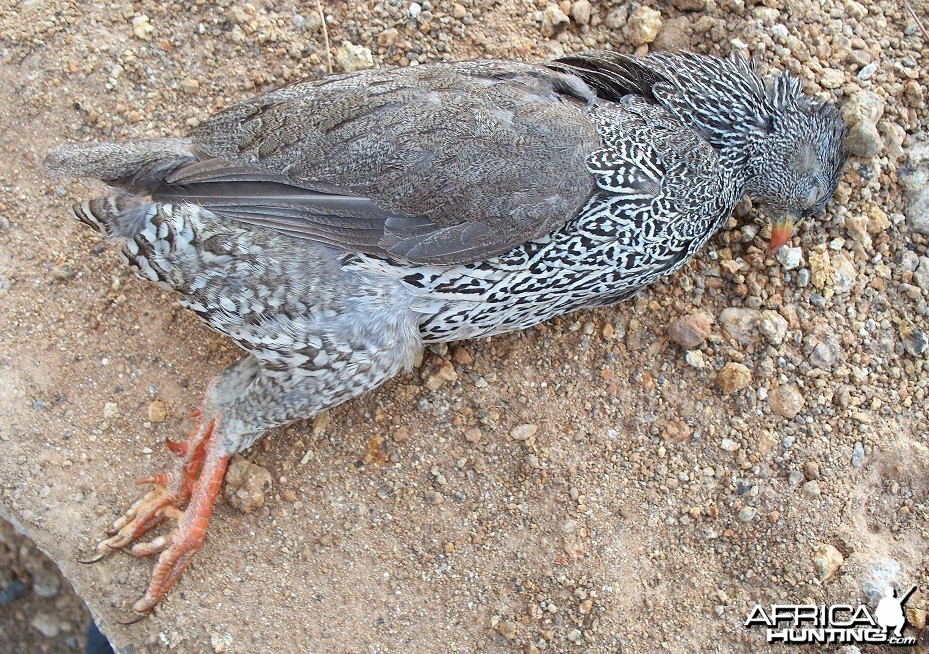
(333, 227)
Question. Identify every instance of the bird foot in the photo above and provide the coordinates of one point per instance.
(171, 490)
(197, 477)
(145, 514)
(179, 546)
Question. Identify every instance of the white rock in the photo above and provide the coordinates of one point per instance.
(780, 32)
(845, 274)
(748, 513)
(921, 274)
(643, 25)
(863, 106)
(831, 78)
(695, 359)
(353, 57)
(773, 326)
(855, 10)
(740, 324)
(553, 20)
(580, 12)
(617, 18)
(729, 445)
(142, 28)
(524, 432)
(892, 135)
(864, 140)
(916, 185)
(867, 72)
(790, 258)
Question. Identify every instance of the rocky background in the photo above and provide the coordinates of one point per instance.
(633, 479)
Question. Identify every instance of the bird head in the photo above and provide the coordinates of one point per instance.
(798, 161)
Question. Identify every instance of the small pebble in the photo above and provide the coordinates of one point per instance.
(864, 140)
(914, 340)
(157, 411)
(811, 489)
(689, 331)
(524, 432)
(62, 273)
(773, 327)
(786, 401)
(827, 560)
(581, 11)
(740, 324)
(246, 484)
(733, 377)
(507, 629)
(643, 25)
(858, 455)
(439, 375)
(867, 72)
(729, 445)
(790, 258)
(352, 57)
(811, 470)
(831, 78)
(748, 513)
(46, 625)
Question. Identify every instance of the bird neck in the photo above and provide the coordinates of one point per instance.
(732, 107)
(741, 134)
(742, 154)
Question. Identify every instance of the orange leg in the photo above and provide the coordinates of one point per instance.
(197, 477)
(171, 490)
(179, 547)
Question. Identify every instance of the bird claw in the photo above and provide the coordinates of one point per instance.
(138, 617)
(141, 517)
(98, 556)
(197, 477)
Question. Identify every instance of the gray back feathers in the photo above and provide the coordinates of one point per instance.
(452, 163)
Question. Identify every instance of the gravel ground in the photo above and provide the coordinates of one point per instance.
(39, 612)
(631, 479)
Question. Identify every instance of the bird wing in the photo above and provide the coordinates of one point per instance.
(442, 164)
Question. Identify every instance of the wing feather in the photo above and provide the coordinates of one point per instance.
(451, 163)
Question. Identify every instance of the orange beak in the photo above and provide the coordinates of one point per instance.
(781, 231)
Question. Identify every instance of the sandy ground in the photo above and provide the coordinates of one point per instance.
(643, 509)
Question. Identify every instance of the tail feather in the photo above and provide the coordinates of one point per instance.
(119, 216)
(136, 166)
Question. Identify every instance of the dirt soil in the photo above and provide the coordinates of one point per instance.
(588, 485)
